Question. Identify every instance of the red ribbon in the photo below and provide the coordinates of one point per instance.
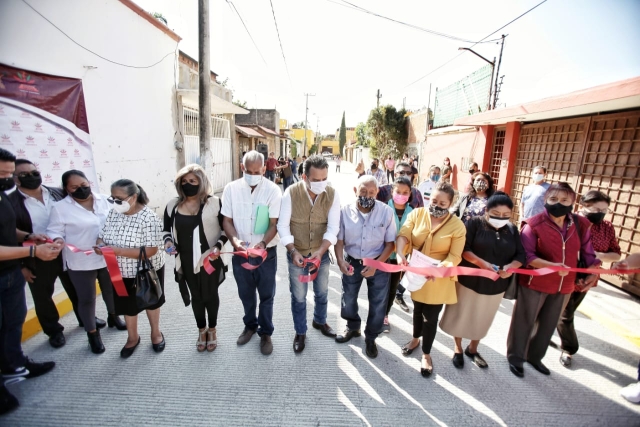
(441, 272)
(306, 278)
(245, 254)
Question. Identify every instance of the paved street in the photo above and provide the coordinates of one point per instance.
(329, 383)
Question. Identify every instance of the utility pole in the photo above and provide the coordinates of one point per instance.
(204, 82)
(378, 96)
(306, 114)
(404, 102)
(495, 92)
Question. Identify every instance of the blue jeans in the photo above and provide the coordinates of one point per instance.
(286, 182)
(262, 280)
(270, 175)
(13, 311)
(378, 293)
(299, 294)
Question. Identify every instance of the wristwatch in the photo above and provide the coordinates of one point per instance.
(27, 236)
(264, 243)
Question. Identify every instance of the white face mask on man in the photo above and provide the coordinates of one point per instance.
(537, 177)
(317, 187)
(252, 180)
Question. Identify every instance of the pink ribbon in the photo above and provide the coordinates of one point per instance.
(245, 254)
(306, 278)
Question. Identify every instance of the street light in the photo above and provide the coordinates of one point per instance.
(493, 65)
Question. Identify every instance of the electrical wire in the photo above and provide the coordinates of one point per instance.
(96, 54)
(231, 5)
(462, 53)
(415, 27)
(280, 40)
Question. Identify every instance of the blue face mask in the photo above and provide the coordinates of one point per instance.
(435, 178)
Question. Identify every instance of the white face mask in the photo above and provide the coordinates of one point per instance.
(122, 208)
(498, 223)
(252, 180)
(537, 177)
(317, 187)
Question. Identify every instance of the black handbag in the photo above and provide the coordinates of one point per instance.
(512, 290)
(147, 283)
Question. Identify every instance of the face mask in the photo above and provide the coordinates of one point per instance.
(30, 182)
(81, 193)
(6, 184)
(498, 222)
(366, 202)
(558, 210)
(252, 180)
(122, 208)
(400, 199)
(537, 177)
(595, 217)
(190, 190)
(437, 211)
(435, 178)
(317, 187)
(480, 186)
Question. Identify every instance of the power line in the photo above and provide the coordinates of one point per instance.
(96, 54)
(245, 27)
(460, 54)
(280, 40)
(415, 27)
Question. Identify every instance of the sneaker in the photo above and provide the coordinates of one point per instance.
(8, 401)
(403, 305)
(631, 392)
(30, 369)
(386, 327)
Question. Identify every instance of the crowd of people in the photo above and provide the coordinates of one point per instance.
(67, 232)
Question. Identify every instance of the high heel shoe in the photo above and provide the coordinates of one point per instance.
(95, 342)
(425, 372)
(212, 340)
(116, 321)
(201, 344)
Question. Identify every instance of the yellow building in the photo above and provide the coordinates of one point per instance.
(299, 135)
(330, 145)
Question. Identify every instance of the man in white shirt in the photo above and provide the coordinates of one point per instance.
(532, 202)
(250, 207)
(308, 225)
(427, 186)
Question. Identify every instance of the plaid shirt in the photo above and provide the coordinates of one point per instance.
(603, 238)
(385, 194)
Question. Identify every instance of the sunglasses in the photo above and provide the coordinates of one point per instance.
(113, 200)
(26, 174)
(403, 173)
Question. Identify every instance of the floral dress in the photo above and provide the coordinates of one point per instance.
(477, 206)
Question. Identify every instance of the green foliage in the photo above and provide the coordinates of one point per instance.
(160, 17)
(343, 135)
(313, 149)
(294, 150)
(242, 104)
(388, 130)
(362, 134)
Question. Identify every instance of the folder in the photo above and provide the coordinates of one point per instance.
(262, 220)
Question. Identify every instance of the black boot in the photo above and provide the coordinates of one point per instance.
(116, 321)
(95, 342)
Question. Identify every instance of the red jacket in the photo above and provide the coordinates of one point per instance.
(552, 246)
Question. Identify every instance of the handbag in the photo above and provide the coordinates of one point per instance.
(512, 289)
(581, 261)
(147, 283)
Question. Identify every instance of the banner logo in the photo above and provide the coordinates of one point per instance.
(31, 140)
(52, 141)
(76, 153)
(5, 140)
(39, 127)
(15, 125)
(86, 164)
(63, 154)
(21, 154)
(43, 154)
(27, 83)
(48, 179)
(70, 142)
(56, 165)
(72, 165)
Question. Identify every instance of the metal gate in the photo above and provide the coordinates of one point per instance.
(496, 154)
(191, 126)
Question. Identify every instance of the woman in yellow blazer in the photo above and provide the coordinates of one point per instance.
(436, 233)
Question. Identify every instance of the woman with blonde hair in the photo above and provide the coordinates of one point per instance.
(193, 220)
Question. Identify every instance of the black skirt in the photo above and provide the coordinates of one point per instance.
(127, 305)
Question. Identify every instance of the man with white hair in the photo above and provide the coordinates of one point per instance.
(367, 230)
(250, 209)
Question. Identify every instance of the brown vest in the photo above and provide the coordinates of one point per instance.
(309, 223)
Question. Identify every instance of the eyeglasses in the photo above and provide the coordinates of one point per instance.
(403, 173)
(113, 200)
(26, 174)
(592, 210)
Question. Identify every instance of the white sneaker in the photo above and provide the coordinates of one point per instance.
(631, 392)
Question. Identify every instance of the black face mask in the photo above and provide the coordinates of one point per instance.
(30, 182)
(558, 210)
(595, 217)
(81, 193)
(6, 184)
(190, 190)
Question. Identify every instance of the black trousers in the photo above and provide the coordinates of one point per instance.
(425, 323)
(566, 329)
(394, 281)
(204, 309)
(42, 289)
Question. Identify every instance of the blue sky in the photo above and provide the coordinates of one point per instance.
(344, 56)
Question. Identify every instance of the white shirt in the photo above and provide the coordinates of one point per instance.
(241, 205)
(426, 188)
(284, 222)
(38, 211)
(79, 227)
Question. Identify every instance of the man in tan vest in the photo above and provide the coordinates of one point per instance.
(308, 225)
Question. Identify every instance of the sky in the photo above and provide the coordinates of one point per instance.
(343, 56)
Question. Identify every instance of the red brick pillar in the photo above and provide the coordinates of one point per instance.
(508, 166)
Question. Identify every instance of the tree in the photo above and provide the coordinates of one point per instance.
(313, 149)
(160, 17)
(362, 134)
(342, 139)
(241, 104)
(388, 130)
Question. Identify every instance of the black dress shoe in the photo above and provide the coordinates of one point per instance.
(298, 343)
(95, 342)
(458, 360)
(128, 351)
(406, 350)
(57, 340)
(116, 321)
(325, 329)
(540, 368)
(158, 348)
(371, 348)
(518, 371)
(426, 372)
(100, 323)
(347, 335)
(477, 359)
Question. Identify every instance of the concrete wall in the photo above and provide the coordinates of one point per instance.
(267, 118)
(130, 111)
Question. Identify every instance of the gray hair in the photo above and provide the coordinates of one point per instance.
(540, 167)
(252, 157)
(205, 188)
(366, 179)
